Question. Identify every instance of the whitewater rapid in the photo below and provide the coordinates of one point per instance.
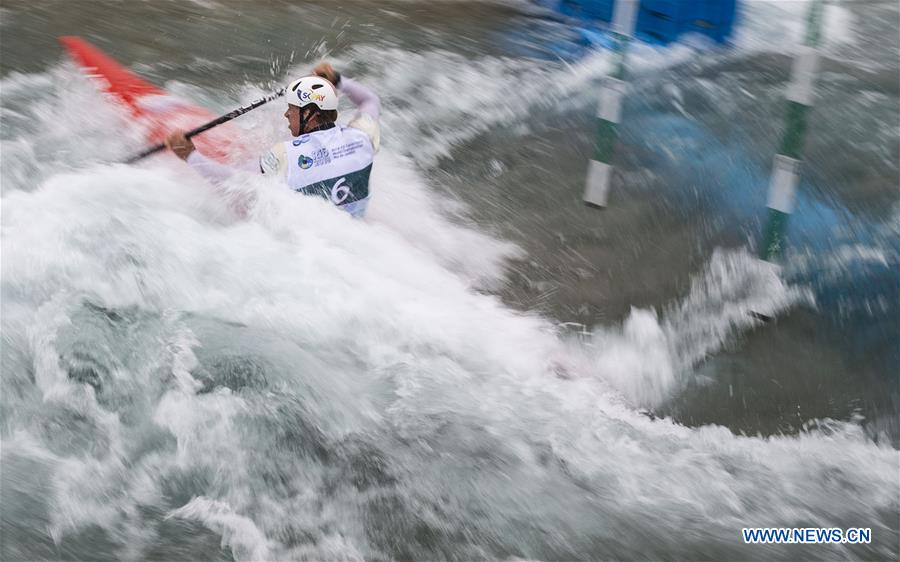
(180, 382)
(153, 340)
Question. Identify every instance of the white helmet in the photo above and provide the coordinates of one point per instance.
(312, 90)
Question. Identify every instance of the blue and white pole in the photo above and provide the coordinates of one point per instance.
(609, 112)
(786, 168)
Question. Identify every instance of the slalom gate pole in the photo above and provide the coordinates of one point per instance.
(786, 167)
(609, 111)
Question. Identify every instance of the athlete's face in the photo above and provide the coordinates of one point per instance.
(293, 116)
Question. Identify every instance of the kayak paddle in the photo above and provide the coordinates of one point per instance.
(207, 126)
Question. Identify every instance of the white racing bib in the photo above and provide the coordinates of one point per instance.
(334, 164)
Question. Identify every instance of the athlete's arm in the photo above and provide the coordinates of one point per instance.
(365, 100)
(213, 171)
(366, 120)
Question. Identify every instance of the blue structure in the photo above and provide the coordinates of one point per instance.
(661, 21)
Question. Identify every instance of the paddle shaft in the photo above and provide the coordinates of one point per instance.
(207, 126)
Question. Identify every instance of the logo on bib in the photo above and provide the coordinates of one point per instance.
(322, 156)
(300, 140)
(318, 158)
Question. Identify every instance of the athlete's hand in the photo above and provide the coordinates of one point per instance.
(180, 144)
(326, 71)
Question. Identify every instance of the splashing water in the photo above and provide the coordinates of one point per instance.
(305, 394)
(181, 384)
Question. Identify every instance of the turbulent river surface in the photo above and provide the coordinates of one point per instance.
(483, 368)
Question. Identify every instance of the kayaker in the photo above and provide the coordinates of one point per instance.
(323, 158)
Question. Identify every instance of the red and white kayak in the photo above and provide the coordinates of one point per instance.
(157, 111)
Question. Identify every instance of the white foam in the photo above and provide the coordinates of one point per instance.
(246, 541)
(45, 134)
(403, 203)
(636, 360)
(386, 341)
(383, 338)
(653, 354)
(723, 301)
(764, 26)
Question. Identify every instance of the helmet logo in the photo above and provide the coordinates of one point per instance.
(309, 96)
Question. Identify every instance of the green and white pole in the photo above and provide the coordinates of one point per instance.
(609, 111)
(786, 168)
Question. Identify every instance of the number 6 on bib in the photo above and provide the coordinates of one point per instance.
(340, 192)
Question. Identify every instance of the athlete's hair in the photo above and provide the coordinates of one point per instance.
(324, 115)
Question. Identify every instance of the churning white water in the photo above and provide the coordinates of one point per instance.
(182, 382)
